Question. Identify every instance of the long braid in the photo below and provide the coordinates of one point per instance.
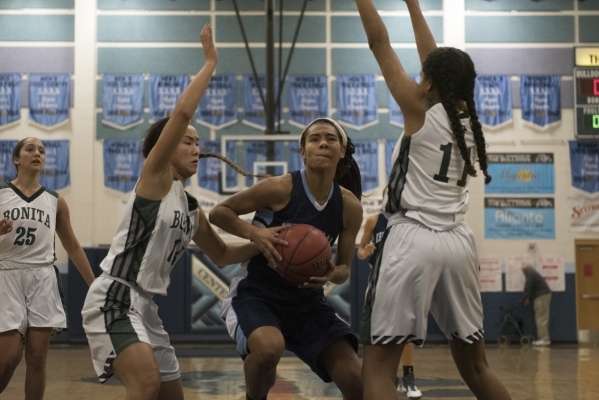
(206, 154)
(479, 138)
(348, 172)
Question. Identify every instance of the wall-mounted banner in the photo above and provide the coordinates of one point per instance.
(57, 173)
(367, 158)
(49, 100)
(584, 213)
(540, 101)
(519, 218)
(489, 274)
(122, 101)
(253, 109)
(514, 277)
(289, 152)
(218, 107)
(165, 90)
(10, 100)
(122, 164)
(356, 101)
(584, 164)
(7, 168)
(209, 168)
(395, 114)
(552, 270)
(493, 99)
(521, 173)
(308, 99)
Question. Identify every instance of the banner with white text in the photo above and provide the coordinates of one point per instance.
(519, 218)
(356, 101)
(521, 173)
(10, 100)
(49, 100)
(540, 101)
(122, 101)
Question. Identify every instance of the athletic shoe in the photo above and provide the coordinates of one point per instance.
(409, 386)
(541, 342)
(398, 384)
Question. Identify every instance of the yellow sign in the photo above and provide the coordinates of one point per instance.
(586, 56)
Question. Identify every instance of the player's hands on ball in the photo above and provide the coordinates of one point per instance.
(319, 281)
(266, 239)
(5, 225)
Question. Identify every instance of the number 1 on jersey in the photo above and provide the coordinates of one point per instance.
(442, 175)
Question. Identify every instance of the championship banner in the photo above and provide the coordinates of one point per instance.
(389, 147)
(514, 277)
(49, 100)
(7, 168)
(254, 152)
(253, 109)
(493, 99)
(552, 270)
(519, 218)
(209, 168)
(122, 164)
(584, 213)
(490, 274)
(289, 152)
(218, 107)
(10, 100)
(520, 173)
(356, 101)
(122, 101)
(57, 173)
(584, 164)
(395, 114)
(367, 158)
(540, 101)
(308, 99)
(165, 90)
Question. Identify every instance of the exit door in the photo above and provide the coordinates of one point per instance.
(587, 290)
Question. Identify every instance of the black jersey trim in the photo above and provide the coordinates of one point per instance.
(33, 196)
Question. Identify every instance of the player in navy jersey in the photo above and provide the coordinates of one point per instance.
(428, 260)
(31, 299)
(264, 313)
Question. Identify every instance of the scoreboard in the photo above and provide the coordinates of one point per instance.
(586, 98)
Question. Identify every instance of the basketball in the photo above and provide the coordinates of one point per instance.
(307, 254)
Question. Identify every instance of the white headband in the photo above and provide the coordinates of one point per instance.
(332, 122)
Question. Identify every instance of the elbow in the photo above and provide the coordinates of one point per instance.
(214, 216)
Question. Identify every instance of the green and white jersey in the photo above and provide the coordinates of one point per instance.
(151, 238)
(31, 241)
(428, 181)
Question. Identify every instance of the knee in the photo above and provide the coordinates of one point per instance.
(9, 363)
(146, 387)
(35, 360)
(267, 351)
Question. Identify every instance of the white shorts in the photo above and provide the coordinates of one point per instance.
(116, 316)
(31, 297)
(421, 269)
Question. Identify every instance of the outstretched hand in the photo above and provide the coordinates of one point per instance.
(208, 44)
(5, 225)
(267, 239)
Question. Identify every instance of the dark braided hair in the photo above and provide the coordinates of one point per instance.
(154, 131)
(348, 172)
(453, 76)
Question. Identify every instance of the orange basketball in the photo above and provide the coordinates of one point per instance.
(307, 254)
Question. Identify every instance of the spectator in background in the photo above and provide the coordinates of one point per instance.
(537, 290)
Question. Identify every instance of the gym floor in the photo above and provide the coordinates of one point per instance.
(215, 372)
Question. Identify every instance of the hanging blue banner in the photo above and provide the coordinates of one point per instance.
(122, 101)
(8, 171)
(389, 147)
(584, 164)
(519, 218)
(209, 168)
(218, 107)
(540, 100)
(308, 99)
(123, 162)
(49, 100)
(367, 158)
(493, 99)
(10, 99)
(395, 114)
(57, 173)
(356, 101)
(165, 90)
(253, 109)
(289, 152)
(520, 173)
(254, 151)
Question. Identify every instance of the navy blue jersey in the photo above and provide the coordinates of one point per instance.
(301, 209)
(377, 236)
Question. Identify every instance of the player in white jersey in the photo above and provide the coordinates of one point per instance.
(31, 303)
(428, 259)
(120, 318)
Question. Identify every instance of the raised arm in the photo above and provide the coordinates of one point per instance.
(157, 168)
(425, 42)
